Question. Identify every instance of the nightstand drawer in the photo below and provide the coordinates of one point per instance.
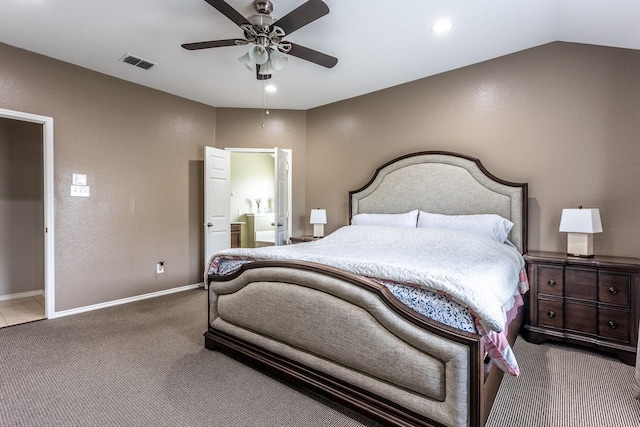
(613, 324)
(550, 281)
(581, 318)
(550, 313)
(614, 288)
(581, 283)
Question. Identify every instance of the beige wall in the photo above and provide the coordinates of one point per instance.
(21, 207)
(563, 117)
(143, 153)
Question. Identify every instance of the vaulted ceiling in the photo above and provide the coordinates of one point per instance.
(378, 43)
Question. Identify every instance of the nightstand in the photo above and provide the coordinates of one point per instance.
(587, 301)
(302, 239)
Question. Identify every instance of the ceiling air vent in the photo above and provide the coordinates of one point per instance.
(138, 62)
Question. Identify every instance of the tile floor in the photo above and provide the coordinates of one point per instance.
(21, 310)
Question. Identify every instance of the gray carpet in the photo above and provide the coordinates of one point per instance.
(144, 363)
(560, 385)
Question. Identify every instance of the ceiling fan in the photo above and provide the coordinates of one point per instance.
(267, 34)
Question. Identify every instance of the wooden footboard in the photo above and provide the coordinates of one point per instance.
(348, 338)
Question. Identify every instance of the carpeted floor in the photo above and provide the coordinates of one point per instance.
(561, 385)
(144, 363)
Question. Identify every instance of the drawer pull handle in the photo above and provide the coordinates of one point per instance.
(551, 282)
(612, 324)
(613, 290)
(552, 314)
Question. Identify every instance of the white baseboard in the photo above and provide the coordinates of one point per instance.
(21, 295)
(123, 301)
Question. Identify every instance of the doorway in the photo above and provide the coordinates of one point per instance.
(258, 202)
(252, 199)
(26, 191)
(220, 227)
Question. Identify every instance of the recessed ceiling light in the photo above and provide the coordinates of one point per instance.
(442, 26)
(270, 88)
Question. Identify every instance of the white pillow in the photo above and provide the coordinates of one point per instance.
(490, 225)
(408, 219)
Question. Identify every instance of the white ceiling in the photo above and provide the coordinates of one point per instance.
(378, 43)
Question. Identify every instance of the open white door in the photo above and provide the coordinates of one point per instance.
(217, 192)
(282, 197)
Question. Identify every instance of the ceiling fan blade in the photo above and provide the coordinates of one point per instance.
(213, 43)
(224, 8)
(312, 55)
(302, 15)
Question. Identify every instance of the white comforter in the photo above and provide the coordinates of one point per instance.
(477, 271)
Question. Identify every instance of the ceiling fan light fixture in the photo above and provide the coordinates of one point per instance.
(263, 75)
(258, 54)
(278, 60)
(263, 61)
(247, 62)
(266, 68)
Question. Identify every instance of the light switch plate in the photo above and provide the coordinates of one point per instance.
(79, 179)
(80, 191)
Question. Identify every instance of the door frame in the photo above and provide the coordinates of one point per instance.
(48, 201)
(272, 151)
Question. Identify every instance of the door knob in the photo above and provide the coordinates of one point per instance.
(209, 224)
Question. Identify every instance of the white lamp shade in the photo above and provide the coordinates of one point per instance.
(581, 221)
(278, 60)
(247, 62)
(318, 216)
(258, 55)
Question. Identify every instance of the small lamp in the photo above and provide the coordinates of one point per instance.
(318, 218)
(580, 224)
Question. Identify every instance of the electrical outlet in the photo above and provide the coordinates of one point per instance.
(80, 191)
(160, 267)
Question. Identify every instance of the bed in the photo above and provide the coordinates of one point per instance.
(344, 334)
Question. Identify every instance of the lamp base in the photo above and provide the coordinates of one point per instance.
(318, 230)
(580, 244)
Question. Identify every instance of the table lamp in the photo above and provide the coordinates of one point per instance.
(318, 218)
(580, 224)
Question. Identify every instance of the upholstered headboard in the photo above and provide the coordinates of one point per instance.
(445, 183)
